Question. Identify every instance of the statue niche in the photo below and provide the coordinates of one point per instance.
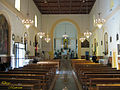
(65, 42)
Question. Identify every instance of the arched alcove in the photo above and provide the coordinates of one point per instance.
(78, 34)
(68, 43)
(4, 36)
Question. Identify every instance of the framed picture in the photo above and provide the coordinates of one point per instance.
(101, 42)
(118, 47)
(110, 39)
(117, 37)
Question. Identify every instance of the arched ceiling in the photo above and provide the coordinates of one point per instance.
(64, 6)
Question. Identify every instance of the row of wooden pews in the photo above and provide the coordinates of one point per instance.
(95, 76)
(30, 77)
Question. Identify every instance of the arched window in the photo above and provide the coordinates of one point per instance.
(3, 35)
(17, 4)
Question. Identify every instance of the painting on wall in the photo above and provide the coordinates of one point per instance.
(85, 44)
(3, 35)
(118, 47)
(117, 37)
(106, 43)
(101, 42)
(110, 39)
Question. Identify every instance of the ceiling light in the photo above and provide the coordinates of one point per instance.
(82, 39)
(47, 39)
(87, 34)
(99, 22)
(27, 22)
(41, 34)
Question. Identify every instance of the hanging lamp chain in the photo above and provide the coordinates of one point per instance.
(28, 9)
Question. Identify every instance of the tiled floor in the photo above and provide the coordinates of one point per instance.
(65, 78)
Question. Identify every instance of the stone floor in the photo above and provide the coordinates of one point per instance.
(65, 80)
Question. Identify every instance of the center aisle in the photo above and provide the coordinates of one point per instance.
(65, 78)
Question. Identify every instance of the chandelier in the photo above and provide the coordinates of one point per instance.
(65, 35)
(87, 34)
(47, 39)
(27, 22)
(41, 34)
(82, 39)
(99, 22)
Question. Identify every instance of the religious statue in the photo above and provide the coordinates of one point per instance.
(65, 43)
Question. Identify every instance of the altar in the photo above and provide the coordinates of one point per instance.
(65, 54)
(103, 61)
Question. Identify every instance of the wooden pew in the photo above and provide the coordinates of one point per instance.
(94, 81)
(36, 82)
(39, 74)
(108, 87)
(26, 76)
(87, 71)
(17, 87)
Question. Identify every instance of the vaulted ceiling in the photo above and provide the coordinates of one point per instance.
(64, 6)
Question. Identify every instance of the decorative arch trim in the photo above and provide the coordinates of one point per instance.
(78, 31)
(5, 14)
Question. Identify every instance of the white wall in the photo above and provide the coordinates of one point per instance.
(16, 26)
(82, 20)
(112, 25)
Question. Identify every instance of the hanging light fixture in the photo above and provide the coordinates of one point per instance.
(87, 34)
(41, 34)
(65, 35)
(27, 22)
(99, 22)
(82, 39)
(47, 39)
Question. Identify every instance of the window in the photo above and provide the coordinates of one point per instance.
(35, 20)
(17, 4)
